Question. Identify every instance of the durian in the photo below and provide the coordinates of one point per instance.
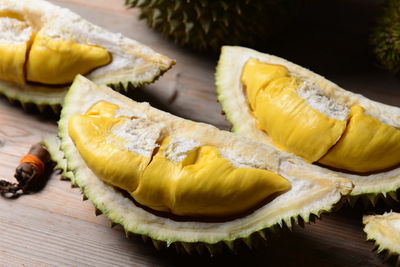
(43, 47)
(384, 230)
(186, 199)
(209, 24)
(293, 109)
(385, 36)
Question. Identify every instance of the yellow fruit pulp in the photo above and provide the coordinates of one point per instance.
(12, 62)
(29, 56)
(15, 40)
(58, 62)
(203, 183)
(362, 143)
(366, 145)
(292, 124)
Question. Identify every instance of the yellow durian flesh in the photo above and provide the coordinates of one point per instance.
(361, 144)
(29, 56)
(256, 76)
(14, 43)
(55, 61)
(291, 123)
(366, 145)
(204, 183)
(91, 132)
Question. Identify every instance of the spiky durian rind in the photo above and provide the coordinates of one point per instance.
(322, 194)
(261, 237)
(209, 24)
(52, 144)
(235, 105)
(385, 36)
(369, 200)
(133, 64)
(384, 231)
(51, 102)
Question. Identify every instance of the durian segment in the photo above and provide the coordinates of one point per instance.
(289, 120)
(199, 183)
(133, 64)
(312, 191)
(235, 105)
(15, 40)
(53, 61)
(385, 231)
(368, 144)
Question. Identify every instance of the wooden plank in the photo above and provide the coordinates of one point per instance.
(56, 228)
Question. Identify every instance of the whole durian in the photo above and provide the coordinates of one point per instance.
(385, 37)
(210, 24)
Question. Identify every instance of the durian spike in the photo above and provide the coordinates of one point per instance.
(98, 212)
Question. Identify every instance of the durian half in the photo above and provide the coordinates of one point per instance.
(158, 142)
(384, 230)
(288, 107)
(43, 47)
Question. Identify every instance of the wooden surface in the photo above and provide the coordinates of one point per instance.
(55, 227)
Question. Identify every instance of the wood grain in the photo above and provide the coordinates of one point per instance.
(56, 228)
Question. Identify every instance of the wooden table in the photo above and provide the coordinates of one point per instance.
(55, 227)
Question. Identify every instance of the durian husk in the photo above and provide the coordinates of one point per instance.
(385, 36)
(384, 230)
(311, 194)
(208, 24)
(133, 64)
(235, 105)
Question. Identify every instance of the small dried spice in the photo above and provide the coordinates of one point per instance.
(31, 173)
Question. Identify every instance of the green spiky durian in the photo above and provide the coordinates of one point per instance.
(43, 46)
(285, 105)
(384, 230)
(310, 192)
(210, 24)
(385, 36)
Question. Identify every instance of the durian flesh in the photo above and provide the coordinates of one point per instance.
(47, 60)
(182, 177)
(43, 47)
(310, 192)
(293, 109)
(302, 119)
